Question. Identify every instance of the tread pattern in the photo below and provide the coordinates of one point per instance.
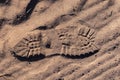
(74, 41)
(29, 46)
(77, 41)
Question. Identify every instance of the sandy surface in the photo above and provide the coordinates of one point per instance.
(59, 40)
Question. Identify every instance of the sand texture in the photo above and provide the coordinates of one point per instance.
(59, 39)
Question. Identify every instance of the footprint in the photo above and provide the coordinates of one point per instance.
(28, 46)
(77, 40)
(73, 41)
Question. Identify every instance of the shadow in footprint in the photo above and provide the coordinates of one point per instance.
(41, 56)
(82, 56)
(29, 59)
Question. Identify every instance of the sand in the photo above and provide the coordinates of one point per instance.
(59, 40)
